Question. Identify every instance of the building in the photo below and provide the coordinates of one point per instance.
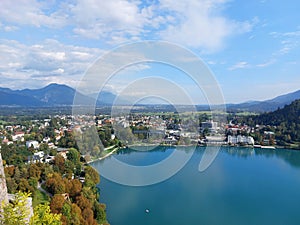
(18, 136)
(34, 144)
(6, 141)
(63, 152)
(240, 140)
(38, 156)
(215, 140)
(46, 139)
(209, 125)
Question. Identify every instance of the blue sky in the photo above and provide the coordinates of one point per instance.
(251, 47)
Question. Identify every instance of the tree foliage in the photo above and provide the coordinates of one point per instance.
(16, 212)
(43, 216)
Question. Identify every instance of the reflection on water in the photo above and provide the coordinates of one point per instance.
(292, 157)
(242, 186)
(240, 152)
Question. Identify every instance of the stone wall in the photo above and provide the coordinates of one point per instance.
(3, 188)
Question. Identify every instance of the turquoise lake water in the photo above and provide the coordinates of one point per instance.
(242, 186)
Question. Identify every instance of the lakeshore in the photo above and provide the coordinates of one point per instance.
(115, 149)
(237, 182)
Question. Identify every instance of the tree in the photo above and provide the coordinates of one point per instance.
(55, 184)
(57, 203)
(76, 214)
(45, 148)
(43, 216)
(83, 202)
(11, 185)
(16, 212)
(74, 187)
(34, 171)
(59, 164)
(66, 212)
(88, 216)
(9, 170)
(25, 186)
(99, 212)
(91, 175)
(17, 175)
(73, 155)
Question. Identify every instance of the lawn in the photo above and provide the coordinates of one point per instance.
(39, 197)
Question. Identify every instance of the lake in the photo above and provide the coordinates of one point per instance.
(241, 186)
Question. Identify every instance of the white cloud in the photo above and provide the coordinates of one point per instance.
(288, 41)
(94, 19)
(240, 65)
(200, 23)
(31, 12)
(10, 28)
(194, 23)
(43, 63)
(266, 64)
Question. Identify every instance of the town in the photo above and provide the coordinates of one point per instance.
(42, 139)
(48, 156)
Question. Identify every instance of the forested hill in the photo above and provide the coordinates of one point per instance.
(290, 115)
(284, 123)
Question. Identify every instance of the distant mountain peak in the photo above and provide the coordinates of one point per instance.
(267, 105)
(55, 94)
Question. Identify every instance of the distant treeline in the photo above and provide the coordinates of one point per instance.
(284, 122)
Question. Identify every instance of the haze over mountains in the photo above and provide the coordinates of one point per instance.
(268, 105)
(63, 95)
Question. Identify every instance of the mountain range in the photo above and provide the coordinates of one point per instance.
(267, 105)
(63, 95)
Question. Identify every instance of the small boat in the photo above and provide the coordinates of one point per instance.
(147, 210)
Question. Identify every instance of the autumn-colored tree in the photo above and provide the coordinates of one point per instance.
(43, 216)
(74, 187)
(57, 203)
(24, 172)
(76, 214)
(88, 216)
(34, 171)
(24, 186)
(83, 202)
(55, 184)
(9, 171)
(59, 164)
(87, 210)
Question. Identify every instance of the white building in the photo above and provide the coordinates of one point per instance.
(231, 140)
(18, 136)
(46, 139)
(240, 140)
(33, 144)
